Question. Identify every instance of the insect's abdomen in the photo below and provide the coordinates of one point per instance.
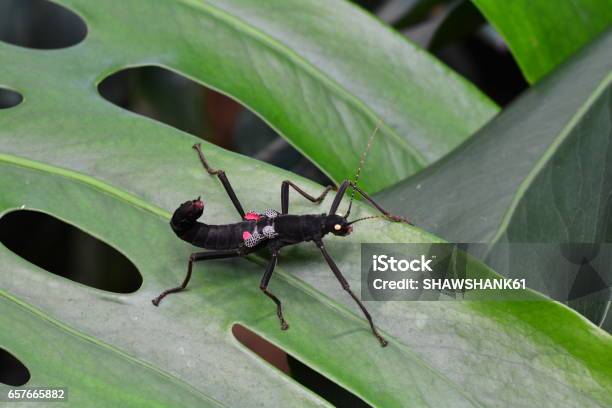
(227, 236)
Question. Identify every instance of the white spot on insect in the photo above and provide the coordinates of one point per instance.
(22, 206)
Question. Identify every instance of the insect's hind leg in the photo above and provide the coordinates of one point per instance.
(195, 257)
(222, 177)
(285, 195)
(263, 286)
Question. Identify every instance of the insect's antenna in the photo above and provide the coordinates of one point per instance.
(362, 160)
(392, 218)
(367, 218)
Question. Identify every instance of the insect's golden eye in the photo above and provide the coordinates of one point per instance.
(337, 227)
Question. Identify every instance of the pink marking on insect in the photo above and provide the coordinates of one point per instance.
(252, 216)
(246, 235)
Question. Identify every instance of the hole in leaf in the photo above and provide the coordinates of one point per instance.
(9, 98)
(309, 378)
(177, 101)
(39, 24)
(12, 371)
(67, 251)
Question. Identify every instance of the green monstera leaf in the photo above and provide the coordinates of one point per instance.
(543, 34)
(242, 48)
(117, 176)
(187, 341)
(538, 173)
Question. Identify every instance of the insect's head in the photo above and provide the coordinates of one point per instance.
(187, 213)
(337, 225)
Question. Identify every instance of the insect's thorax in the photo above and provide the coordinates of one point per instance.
(299, 228)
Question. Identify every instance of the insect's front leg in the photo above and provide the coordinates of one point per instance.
(392, 217)
(339, 196)
(195, 257)
(346, 287)
(342, 191)
(265, 279)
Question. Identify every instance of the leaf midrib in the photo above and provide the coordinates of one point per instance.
(546, 157)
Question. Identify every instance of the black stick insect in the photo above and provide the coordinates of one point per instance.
(271, 230)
